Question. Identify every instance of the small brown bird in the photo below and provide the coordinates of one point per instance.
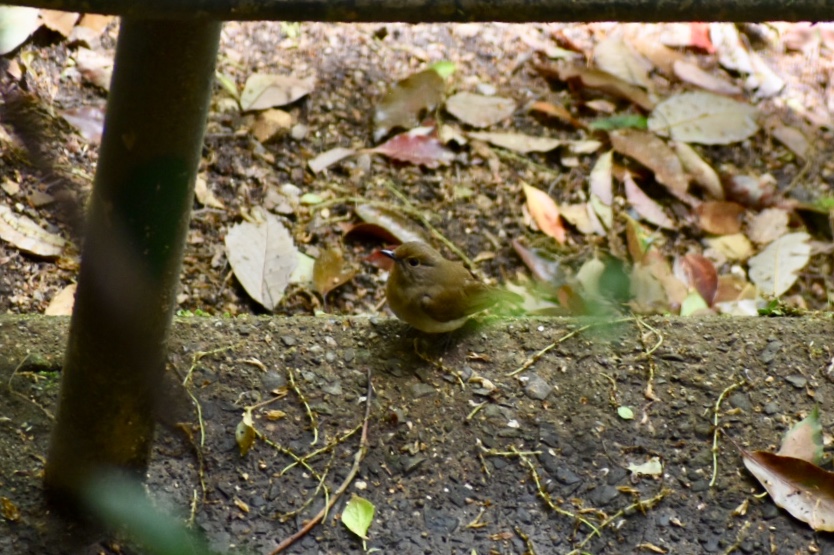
(433, 294)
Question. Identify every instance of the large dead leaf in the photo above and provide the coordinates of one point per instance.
(719, 217)
(583, 218)
(263, 90)
(62, 303)
(776, 269)
(655, 154)
(330, 271)
(691, 73)
(704, 118)
(419, 146)
(603, 81)
(26, 235)
(479, 110)
(545, 212)
(699, 170)
(263, 257)
(601, 185)
(803, 489)
(615, 56)
(517, 142)
(768, 225)
(648, 209)
(407, 100)
(16, 24)
(60, 22)
(402, 228)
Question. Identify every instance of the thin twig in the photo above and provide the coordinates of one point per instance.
(357, 461)
(716, 430)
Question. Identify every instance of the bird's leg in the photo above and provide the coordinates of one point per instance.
(436, 363)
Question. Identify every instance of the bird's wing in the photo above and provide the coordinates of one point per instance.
(445, 304)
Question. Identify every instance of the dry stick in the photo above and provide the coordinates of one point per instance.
(716, 430)
(357, 461)
(310, 414)
(535, 358)
(649, 393)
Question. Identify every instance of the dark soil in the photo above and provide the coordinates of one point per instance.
(445, 477)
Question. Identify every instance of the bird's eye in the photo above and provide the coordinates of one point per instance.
(413, 262)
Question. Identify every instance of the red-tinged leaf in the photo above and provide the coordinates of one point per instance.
(648, 209)
(697, 272)
(406, 102)
(419, 146)
(720, 217)
(403, 229)
(804, 439)
(700, 37)
(330, 271)
(545, 213)
(803, 489)
(543, 267)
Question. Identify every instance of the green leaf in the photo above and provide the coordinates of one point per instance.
(357, 516)
(443, 68)
(692, 304)
(625, 413)
(804, 439)
(633, 121)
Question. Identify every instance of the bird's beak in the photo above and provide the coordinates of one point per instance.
(388, 253)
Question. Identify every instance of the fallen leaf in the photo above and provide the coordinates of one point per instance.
(804, 439)
(732, 288)
(24, 234)
(792, 138)
(407, 101)
(62, 303)
(60, 22)
(329, 157)
(768, 225)
(704, 118)
(263, 257)
(245, 433)
(731, 50)
(94, 67)
(698, 273)
(732, 247)
(752, 191)
(330, 271)
(803, 489)
(601, 185)
(479, 110)
(542, 264)
(264, 90)
(358, 515)
(603, 81)
(763, 80)
(648, 209)
(87, 120)
(613, 55)
(517, 142)
(648, 45)
(691, 73)
(652, 467)
(556, 111)
(204, 195)
(701, 172)
(545, 212)
(653, 153)
(404, 229)
(420, 146)
(16, 24)
(776, 269)
(583, 218)
(270, 123)
(720, 217)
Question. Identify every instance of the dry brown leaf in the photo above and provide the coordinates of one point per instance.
(596, 79)
(24, 234)
(517, 142)
(792, 138)
(615, 56)
(270, 123)
(720, 217)
(803, 489)
(648, 209)
(691, 73)
(62, 303)
(263, 90)
(653, 153)
(479, 110)
(556, 111)
(330, 271)
(701, 172)
(704, 118)
(407, 100)
(804, 439)
(545, 212)
(698, 273)
(768, 225)
(204, 195)
(582, 217)
(60, 22)
(732, 247)
(776, 269)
